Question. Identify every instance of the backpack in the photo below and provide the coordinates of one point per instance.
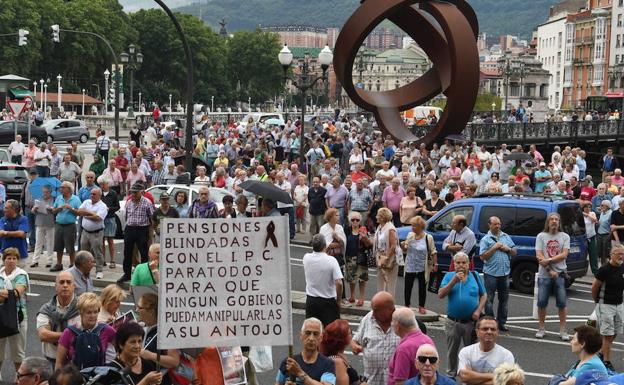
(87, 346)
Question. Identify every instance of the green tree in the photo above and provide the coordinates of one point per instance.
(15, 15)
(253, 68)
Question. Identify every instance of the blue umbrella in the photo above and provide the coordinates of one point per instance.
(36, 187)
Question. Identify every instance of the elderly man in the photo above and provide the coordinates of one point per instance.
(16, 149)
(496, 250)
(461, 238)
(34, 371)
(13, 230)
(54, 316)
(317, 205)
(308, 367)
(146, 274)
(376, 339)
(44, 224)
(139, 211)
(391, 199)
(401, 366)
(109, 197)
(69, 171)
(552, 247)
(478, 361)
(203, 207)
(323, 279)
(81, 271)
(336, 197)
(93, 212)
(66, 207)
(427, 364)
(607, 294)
(85, 192)
(466, 299)
(360, 200)
(286, 208)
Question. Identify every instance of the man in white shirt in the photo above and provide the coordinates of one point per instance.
(323, 283)
(16, 149)
(478, 361)
(93, 212)
(468, 175)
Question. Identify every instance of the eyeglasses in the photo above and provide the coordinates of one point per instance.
(20, 375)
(423, 359)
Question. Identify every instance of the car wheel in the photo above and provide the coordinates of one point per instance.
(50, 139)
(84, 138)
(523, 276)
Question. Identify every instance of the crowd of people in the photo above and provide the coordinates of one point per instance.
(351, 190)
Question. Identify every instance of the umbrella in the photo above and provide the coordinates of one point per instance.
(36, 186)
(275, 122)
(457, 138)
(518, 156)
(266, 190)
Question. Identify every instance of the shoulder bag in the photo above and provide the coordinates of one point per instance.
(9, 319)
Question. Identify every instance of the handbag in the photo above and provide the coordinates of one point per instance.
(335, 250)
(299, 212)
(9, 319)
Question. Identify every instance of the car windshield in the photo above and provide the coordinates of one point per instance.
(12, 173)
(572, 221)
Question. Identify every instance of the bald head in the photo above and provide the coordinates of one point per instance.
(382, 298)
(427, 350)
(404, 321)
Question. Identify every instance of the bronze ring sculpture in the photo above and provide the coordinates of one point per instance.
(446, 31)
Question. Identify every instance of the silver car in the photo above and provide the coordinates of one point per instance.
(66, 130)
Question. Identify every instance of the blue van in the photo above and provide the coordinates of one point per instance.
(522, 217)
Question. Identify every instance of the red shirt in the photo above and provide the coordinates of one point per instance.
(357, 175)
(122, 162)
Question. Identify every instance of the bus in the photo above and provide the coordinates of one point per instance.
(605, 104)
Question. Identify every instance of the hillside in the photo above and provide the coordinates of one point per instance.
(496, 17)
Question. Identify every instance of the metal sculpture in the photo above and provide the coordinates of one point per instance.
(447, 32)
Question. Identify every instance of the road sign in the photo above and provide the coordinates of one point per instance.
(16, 106)
(29, 102)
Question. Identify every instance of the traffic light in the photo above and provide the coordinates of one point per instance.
(111, 93)
(23, 37)
(56, 36)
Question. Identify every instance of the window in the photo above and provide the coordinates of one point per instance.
(507, 215)
(444, 222)
(572, 221)
(529, 222)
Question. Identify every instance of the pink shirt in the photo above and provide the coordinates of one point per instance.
(107, 336)
(401, 365)
(453, 173)
(392, 199)
(618, 181)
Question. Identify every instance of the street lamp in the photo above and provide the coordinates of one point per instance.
(170, 107)
(139, 102)
(106, 76)
(35, 95)
(133, 61)
(506, 70)
(41, 90)
(212, 104)
(45, 100)
(59, 91)
(83, 101)
(305, 81)
(249, 103)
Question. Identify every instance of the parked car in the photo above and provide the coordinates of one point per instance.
(192, 191)
(7, 132)
(66, 129)
(260, 116)
(13, 177)
(522, 217)
(5, 156)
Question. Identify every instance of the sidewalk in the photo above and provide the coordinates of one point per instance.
(298, 298)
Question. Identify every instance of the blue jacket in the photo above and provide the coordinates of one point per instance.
(440, 380)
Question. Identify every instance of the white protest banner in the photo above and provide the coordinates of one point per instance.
(222, 279)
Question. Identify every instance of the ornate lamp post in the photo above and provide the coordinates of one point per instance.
(133, 60)
(106, 76)
(305, 80)
(59, 91)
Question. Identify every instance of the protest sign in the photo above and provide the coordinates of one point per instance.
(222, 279)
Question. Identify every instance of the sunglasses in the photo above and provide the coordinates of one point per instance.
(355, 220)
(423, 359)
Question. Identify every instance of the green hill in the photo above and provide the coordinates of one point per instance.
(496, 17)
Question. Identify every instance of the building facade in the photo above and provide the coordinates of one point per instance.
(587, 51)
(616, 51)
(300, 35)
(550, 51)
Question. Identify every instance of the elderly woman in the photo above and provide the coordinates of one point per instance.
(201, 177)
(427, 363)
(111, 298)
(300, 196)
(508, 374)
(586, 344)
(356, 261)
(410, 206)
(603, 232)
(97, 166)
(590, 231)
(433, 205)
(129, 347)
(386, 250)
(148, 313)
(420, 261)
(14, 279)
(336, 337)
(335, 237)
(89, 308)
(170, 176)
(113, 175)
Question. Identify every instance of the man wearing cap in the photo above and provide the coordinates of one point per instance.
(542, 177)
(164, 211)
(139, 212)
(66, 207)
(93, 212)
